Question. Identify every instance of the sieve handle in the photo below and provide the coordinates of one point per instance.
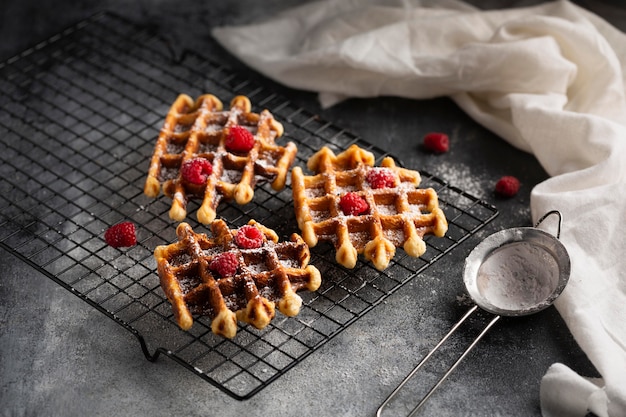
(425, 359)
(558, 213)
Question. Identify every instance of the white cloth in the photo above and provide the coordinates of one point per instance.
(549, 79)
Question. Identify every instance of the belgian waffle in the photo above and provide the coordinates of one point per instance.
(398, 216)
(266, 276)
(199, 130)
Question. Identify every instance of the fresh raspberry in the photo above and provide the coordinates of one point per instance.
(121, 235)
(239, 140)
(196, 170)
(436, 142)
(507, 186)
(225, 264)
(249, 237)
(353, 204)
(381, 178)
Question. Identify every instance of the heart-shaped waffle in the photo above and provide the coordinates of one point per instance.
(391, 213)
(200, 130)
(231, 276)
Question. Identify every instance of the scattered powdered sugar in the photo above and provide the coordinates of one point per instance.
(168, 173)
(314, 192)
(387, 209)
(213, 129)
(250, 128)
(406, 185)
(268, 292)
(212, 251)
(231, 176)
(175, 148)
(257, 268)
(180, 259)
(320, 215)
(181, 128)
(347, 188)
(359, 239)
(207, 147)
(461, 176)
(268, 159)
(396, 236)
(290, 263)
(414, 209)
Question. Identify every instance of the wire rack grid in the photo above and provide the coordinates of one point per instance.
(79, 116)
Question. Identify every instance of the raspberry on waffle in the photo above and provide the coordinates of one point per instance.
(200, 129)
(257, 276)
(398, 214)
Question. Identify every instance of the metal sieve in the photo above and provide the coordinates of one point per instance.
(514, 272)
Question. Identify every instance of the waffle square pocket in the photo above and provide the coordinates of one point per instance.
(210, 154)
(363, 209)
(234, 275)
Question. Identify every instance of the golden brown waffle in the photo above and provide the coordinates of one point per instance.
(265, 276)
(199, 130)
(398, 216)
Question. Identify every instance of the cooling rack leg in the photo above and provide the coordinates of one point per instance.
(152, 357)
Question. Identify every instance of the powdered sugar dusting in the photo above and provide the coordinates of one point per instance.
(320, 216)
(461, 176)
(290, 263)
(387, 209)
(314, 192)
(213, 129)
(518, 276)
(257, 268)
(414, 209)
(348, 188)
(231, 176)
(396, 236)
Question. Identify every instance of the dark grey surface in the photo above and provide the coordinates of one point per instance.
(59, 356)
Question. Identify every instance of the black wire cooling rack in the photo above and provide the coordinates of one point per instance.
(79, 116)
